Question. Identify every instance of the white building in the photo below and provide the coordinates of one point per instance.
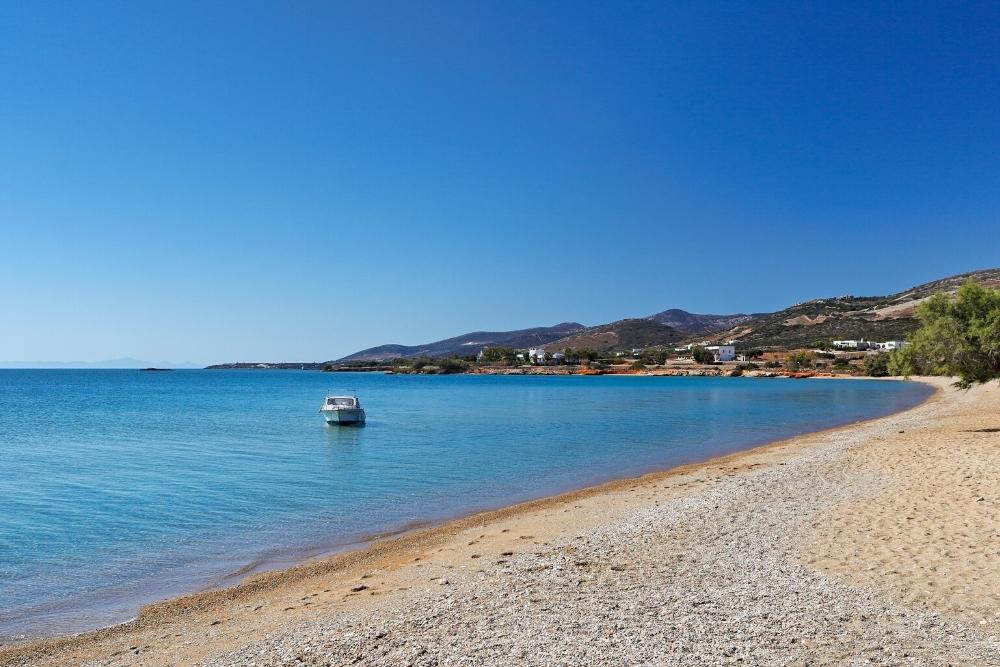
(558, 357)
(537, 355)
(853, 344)
(722, 352)
(892, 345)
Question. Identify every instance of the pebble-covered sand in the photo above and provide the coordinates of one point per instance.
(773, 557)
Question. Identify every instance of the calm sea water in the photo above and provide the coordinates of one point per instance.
(122, 487)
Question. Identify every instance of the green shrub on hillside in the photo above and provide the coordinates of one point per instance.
(958, 336)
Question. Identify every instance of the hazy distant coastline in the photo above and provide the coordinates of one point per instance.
(122, 363)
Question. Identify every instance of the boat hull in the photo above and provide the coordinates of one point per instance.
(346, 416)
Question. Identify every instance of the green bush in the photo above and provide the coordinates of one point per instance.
(877, 365)
(653, 357)
(498, 355)
(701, 355)
(453, 365)
(958, 336)
(799, 360)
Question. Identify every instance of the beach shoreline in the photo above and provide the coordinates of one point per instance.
(399, 555)
(237, 567)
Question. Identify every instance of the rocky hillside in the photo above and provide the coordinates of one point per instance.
(693, 324)
(847, 317)
(870, 317)
(620, 335)
(468, 344)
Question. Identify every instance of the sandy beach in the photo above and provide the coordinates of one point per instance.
(875, 543)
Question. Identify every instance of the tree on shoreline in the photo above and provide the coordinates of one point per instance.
(877, 365)
(701, 355)
(799, 360)
(958, 336)
(499, 355)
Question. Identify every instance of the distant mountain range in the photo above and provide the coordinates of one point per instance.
(843, 317)
(469, 344)
(666, 328)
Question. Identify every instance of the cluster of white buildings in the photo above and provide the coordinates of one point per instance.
(537, 355)
(722, 352)
(862, 345)
(725, 352)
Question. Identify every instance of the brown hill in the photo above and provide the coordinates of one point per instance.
(468, 344)
(847, 317)
(694, 324)
(622, 335)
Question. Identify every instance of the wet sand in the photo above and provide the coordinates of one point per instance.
(875, 542)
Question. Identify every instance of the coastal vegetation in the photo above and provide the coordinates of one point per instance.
(958, 336)
(498, 355)
(799, 360)
(580, 355)
(877, 365)
(654, 357)
(701, 355)
(432, 366)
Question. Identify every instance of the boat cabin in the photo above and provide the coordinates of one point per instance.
(341, 402)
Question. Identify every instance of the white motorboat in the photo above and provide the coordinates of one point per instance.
(342, 410)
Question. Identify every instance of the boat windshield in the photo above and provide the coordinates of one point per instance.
(341, 402)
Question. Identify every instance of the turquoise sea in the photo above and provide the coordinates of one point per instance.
(122, 487)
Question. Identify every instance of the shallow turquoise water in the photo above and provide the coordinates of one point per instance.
(121, 487)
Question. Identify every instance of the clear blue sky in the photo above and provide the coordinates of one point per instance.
(295, 181)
